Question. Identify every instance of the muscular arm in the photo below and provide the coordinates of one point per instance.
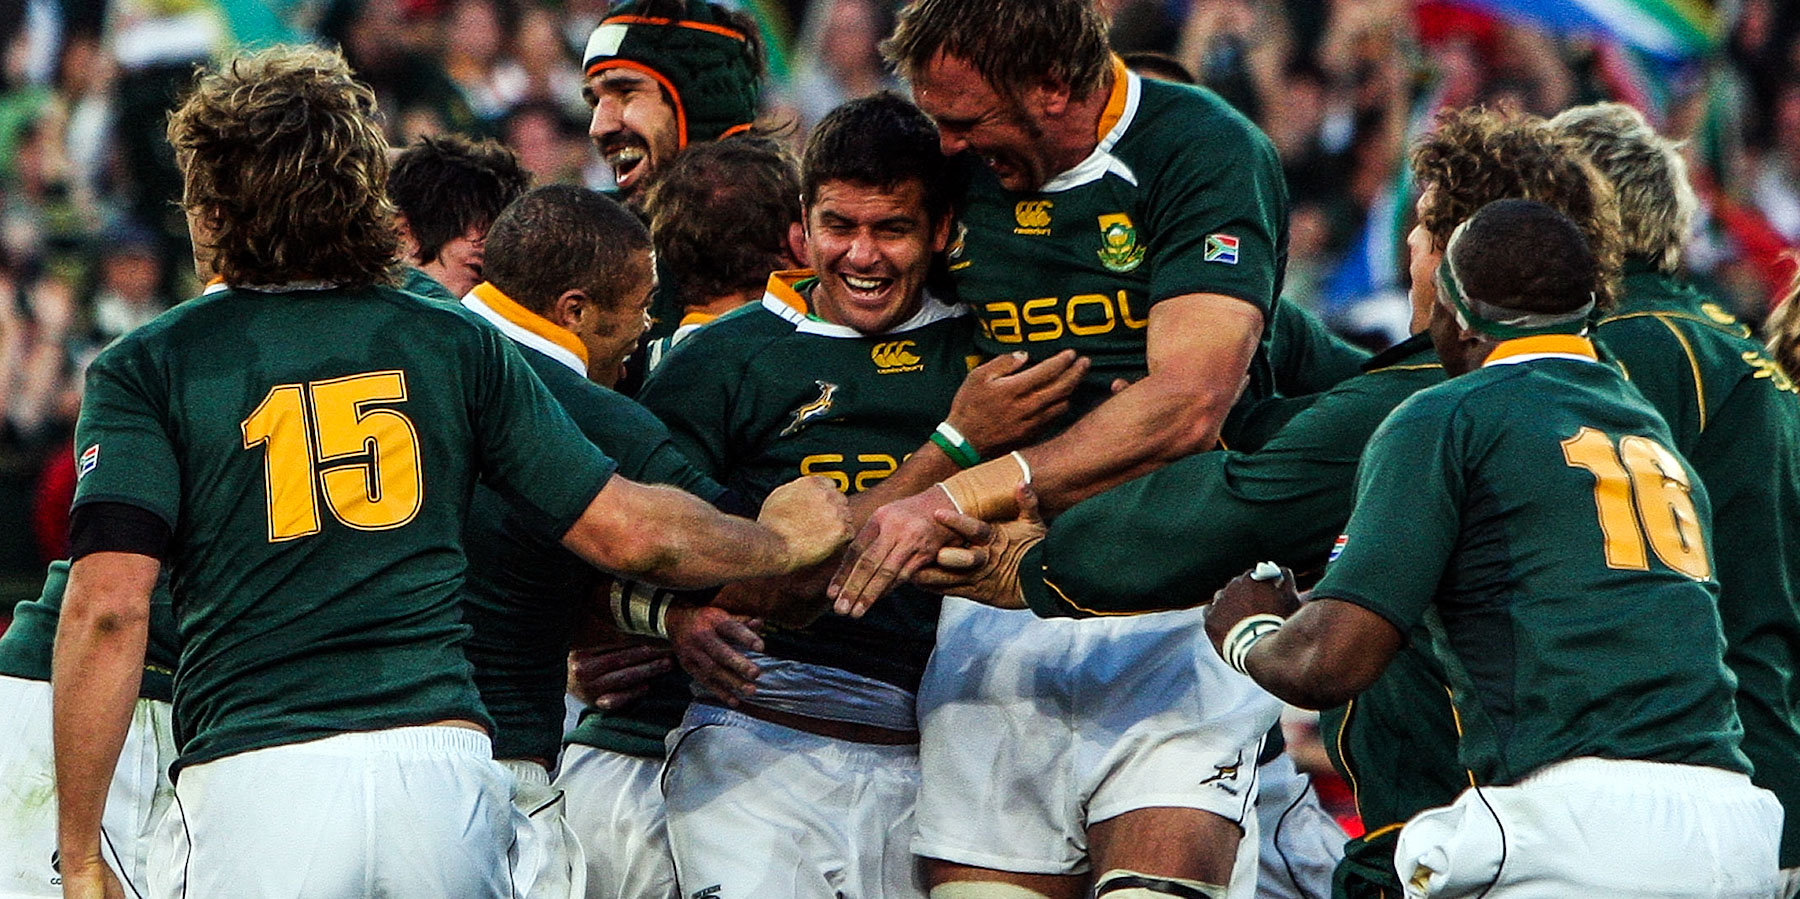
(667, 536)
(1199, 347)
(99, 662)
(1325, 654)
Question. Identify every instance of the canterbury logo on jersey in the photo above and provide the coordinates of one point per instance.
(1032, 216)
(895, 356)
(812, 411)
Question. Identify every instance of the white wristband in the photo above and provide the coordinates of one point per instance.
(1024, 466)
(953, 503)
(641, 609)
(1235, 648)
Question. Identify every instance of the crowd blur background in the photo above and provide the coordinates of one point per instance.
(93, 244)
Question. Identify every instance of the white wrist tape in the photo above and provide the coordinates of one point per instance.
(641, 609)
(1244, 635)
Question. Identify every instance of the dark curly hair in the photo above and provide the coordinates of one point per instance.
(1477, 156)
(286, 170)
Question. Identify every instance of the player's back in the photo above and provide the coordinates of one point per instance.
(324, 444)
(1580, 559)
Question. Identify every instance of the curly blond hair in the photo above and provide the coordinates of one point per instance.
(1477, 156)
(1647, 174)
(286, 170)
(1782, 330)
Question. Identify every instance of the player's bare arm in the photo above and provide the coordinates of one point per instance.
(986, 567)
(1315, 655)
(666, 536)
(1198, 347)
(97, 670)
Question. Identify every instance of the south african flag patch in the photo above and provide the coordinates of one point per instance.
(1221, 248)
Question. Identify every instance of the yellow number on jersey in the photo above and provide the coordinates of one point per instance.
(370, 456)
(1641, 491)
(829, 465)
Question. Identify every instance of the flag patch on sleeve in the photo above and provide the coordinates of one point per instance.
(90, 457)
(1337, 548)
(1221, 248)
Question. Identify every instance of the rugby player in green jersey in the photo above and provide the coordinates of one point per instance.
(447, 192)
(802, 784)
(299, 446)
(1735, 417)
(1219, 513)
(1144, 225)
(1531, 515)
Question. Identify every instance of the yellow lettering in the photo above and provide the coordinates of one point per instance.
(813, 465)
(1033, 316)
(1076, 326)
(1002, 322)
(1125, 314)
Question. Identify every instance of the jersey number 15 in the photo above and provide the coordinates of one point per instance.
(364, 460)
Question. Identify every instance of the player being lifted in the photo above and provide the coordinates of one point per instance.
(298, 446)
(1144, 225)
(1531, 514)
(805, 787)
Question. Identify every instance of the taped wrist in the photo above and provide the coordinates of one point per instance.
(1235, 648)
(641, 609)
(987, 490)
(1014, 539)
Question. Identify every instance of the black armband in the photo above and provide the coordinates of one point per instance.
(102, 527)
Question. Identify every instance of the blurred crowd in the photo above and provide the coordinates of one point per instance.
(92, 243)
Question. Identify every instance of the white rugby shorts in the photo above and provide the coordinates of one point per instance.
(546, 858)
(1301, 843)
(136, 800)
(1599, 827)
(1032, 729)
(762, 811)
(407, 812)
(615, 804)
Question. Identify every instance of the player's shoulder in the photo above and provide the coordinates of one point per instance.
(598, 410)
(1189, 123)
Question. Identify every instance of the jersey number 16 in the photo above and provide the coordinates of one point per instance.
(1640, 481)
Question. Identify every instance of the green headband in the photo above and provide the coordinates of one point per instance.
(706, 65)
(1499, 322)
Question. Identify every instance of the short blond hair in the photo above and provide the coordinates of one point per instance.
(287, 169)
(1648, 175)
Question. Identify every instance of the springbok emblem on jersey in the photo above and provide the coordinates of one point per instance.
(812, 411)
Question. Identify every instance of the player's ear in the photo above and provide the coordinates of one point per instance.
(796, 242)
(1049, 97)
(940, 232)
(566, 310)
(409, 245)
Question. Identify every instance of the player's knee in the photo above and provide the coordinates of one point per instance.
(983, 889)
(1123, 884)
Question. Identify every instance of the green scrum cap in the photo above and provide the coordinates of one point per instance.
(705, 64)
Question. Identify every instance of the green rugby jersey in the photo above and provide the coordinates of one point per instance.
(27, 645)
(313, 452)
(415, 281)
(1532, 516)
(523, 586)
(767, 393)
(1182, 196)
(1736, 418)
(1213, 515)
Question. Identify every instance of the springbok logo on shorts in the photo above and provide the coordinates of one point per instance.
(713, 890)
(896, 356)
(813, 411)
(1225, 776)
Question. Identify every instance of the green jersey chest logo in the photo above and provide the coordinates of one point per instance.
(813, 411)
(1119, 250)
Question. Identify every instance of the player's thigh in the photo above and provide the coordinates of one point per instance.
(417, 811)
(546, 859)
(615, 806)
(759, 810)
(996, 745)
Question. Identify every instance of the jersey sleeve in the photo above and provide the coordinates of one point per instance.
(1212, 516)
(124, 452)
(1218, 216)
(1409, 496)
(529, 447)
(639, 442)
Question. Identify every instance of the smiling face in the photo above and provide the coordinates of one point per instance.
(872, 250)
(972, 116)
(633, 125)
(611, 333)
